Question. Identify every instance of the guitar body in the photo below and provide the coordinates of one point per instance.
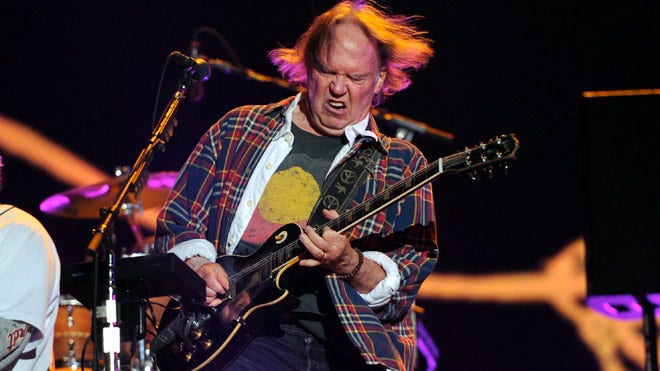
(210, 338)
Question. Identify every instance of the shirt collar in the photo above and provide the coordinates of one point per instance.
(288, 116)
(361, 129)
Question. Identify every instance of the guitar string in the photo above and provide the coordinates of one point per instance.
(450, 161)
(276, 257)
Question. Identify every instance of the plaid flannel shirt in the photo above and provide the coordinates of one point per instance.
(210, 185)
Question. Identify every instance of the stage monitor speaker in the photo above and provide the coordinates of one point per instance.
(620, 133)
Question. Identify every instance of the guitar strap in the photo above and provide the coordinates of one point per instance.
(342, 183)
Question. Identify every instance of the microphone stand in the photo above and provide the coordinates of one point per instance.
(103, 235)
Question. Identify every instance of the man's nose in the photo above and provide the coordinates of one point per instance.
(339, 85)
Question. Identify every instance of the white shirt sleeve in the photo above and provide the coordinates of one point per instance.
(382, 293)
(197, 247)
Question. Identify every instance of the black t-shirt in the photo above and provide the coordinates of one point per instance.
(289, 197)
(293, 190)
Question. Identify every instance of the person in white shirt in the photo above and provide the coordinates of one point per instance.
(29, 290)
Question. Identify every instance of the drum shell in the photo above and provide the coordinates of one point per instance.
(73, 327)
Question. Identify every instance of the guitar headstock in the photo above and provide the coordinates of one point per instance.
(483, 156)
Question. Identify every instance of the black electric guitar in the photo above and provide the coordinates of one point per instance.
(192, 337)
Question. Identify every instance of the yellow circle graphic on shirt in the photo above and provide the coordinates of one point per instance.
(289, 196)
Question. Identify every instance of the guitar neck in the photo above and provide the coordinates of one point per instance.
(483, 155)
(392, 194)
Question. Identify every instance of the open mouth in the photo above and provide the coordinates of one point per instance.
(337, 105)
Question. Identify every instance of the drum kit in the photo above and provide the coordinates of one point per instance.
(73, 347)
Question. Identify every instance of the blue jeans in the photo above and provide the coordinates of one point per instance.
(288, 347)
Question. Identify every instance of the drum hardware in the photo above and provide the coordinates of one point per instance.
(138, 279)
(87, 201)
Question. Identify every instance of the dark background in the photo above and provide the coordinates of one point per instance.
(86, 74)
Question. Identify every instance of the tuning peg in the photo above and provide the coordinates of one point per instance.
(468, 161)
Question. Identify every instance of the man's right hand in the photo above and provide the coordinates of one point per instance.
(217, 283)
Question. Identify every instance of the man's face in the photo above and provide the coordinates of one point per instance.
(341, 89)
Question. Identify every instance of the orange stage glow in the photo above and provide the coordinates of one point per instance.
(560, 283)
(20, 140)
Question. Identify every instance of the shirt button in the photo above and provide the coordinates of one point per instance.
(269, 166)
(287, 137)
(250, 203)
(232, 242)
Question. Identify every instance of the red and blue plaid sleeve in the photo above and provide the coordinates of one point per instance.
(406, 232)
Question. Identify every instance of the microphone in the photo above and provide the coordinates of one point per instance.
(231, 69)
(194, 48)
(196, 87)
(406, 126)
(199, 68)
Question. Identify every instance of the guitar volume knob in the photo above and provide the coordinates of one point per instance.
(206, 344)
(196, 334)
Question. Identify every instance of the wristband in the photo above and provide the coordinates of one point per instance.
(356, 269)
(196, 262)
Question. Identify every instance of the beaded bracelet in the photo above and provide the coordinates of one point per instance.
(356, 269)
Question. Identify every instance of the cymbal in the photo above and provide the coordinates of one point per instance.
(86, 202)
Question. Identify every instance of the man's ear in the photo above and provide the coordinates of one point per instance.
(382, 74)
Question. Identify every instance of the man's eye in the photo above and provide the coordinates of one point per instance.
(357, 78)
